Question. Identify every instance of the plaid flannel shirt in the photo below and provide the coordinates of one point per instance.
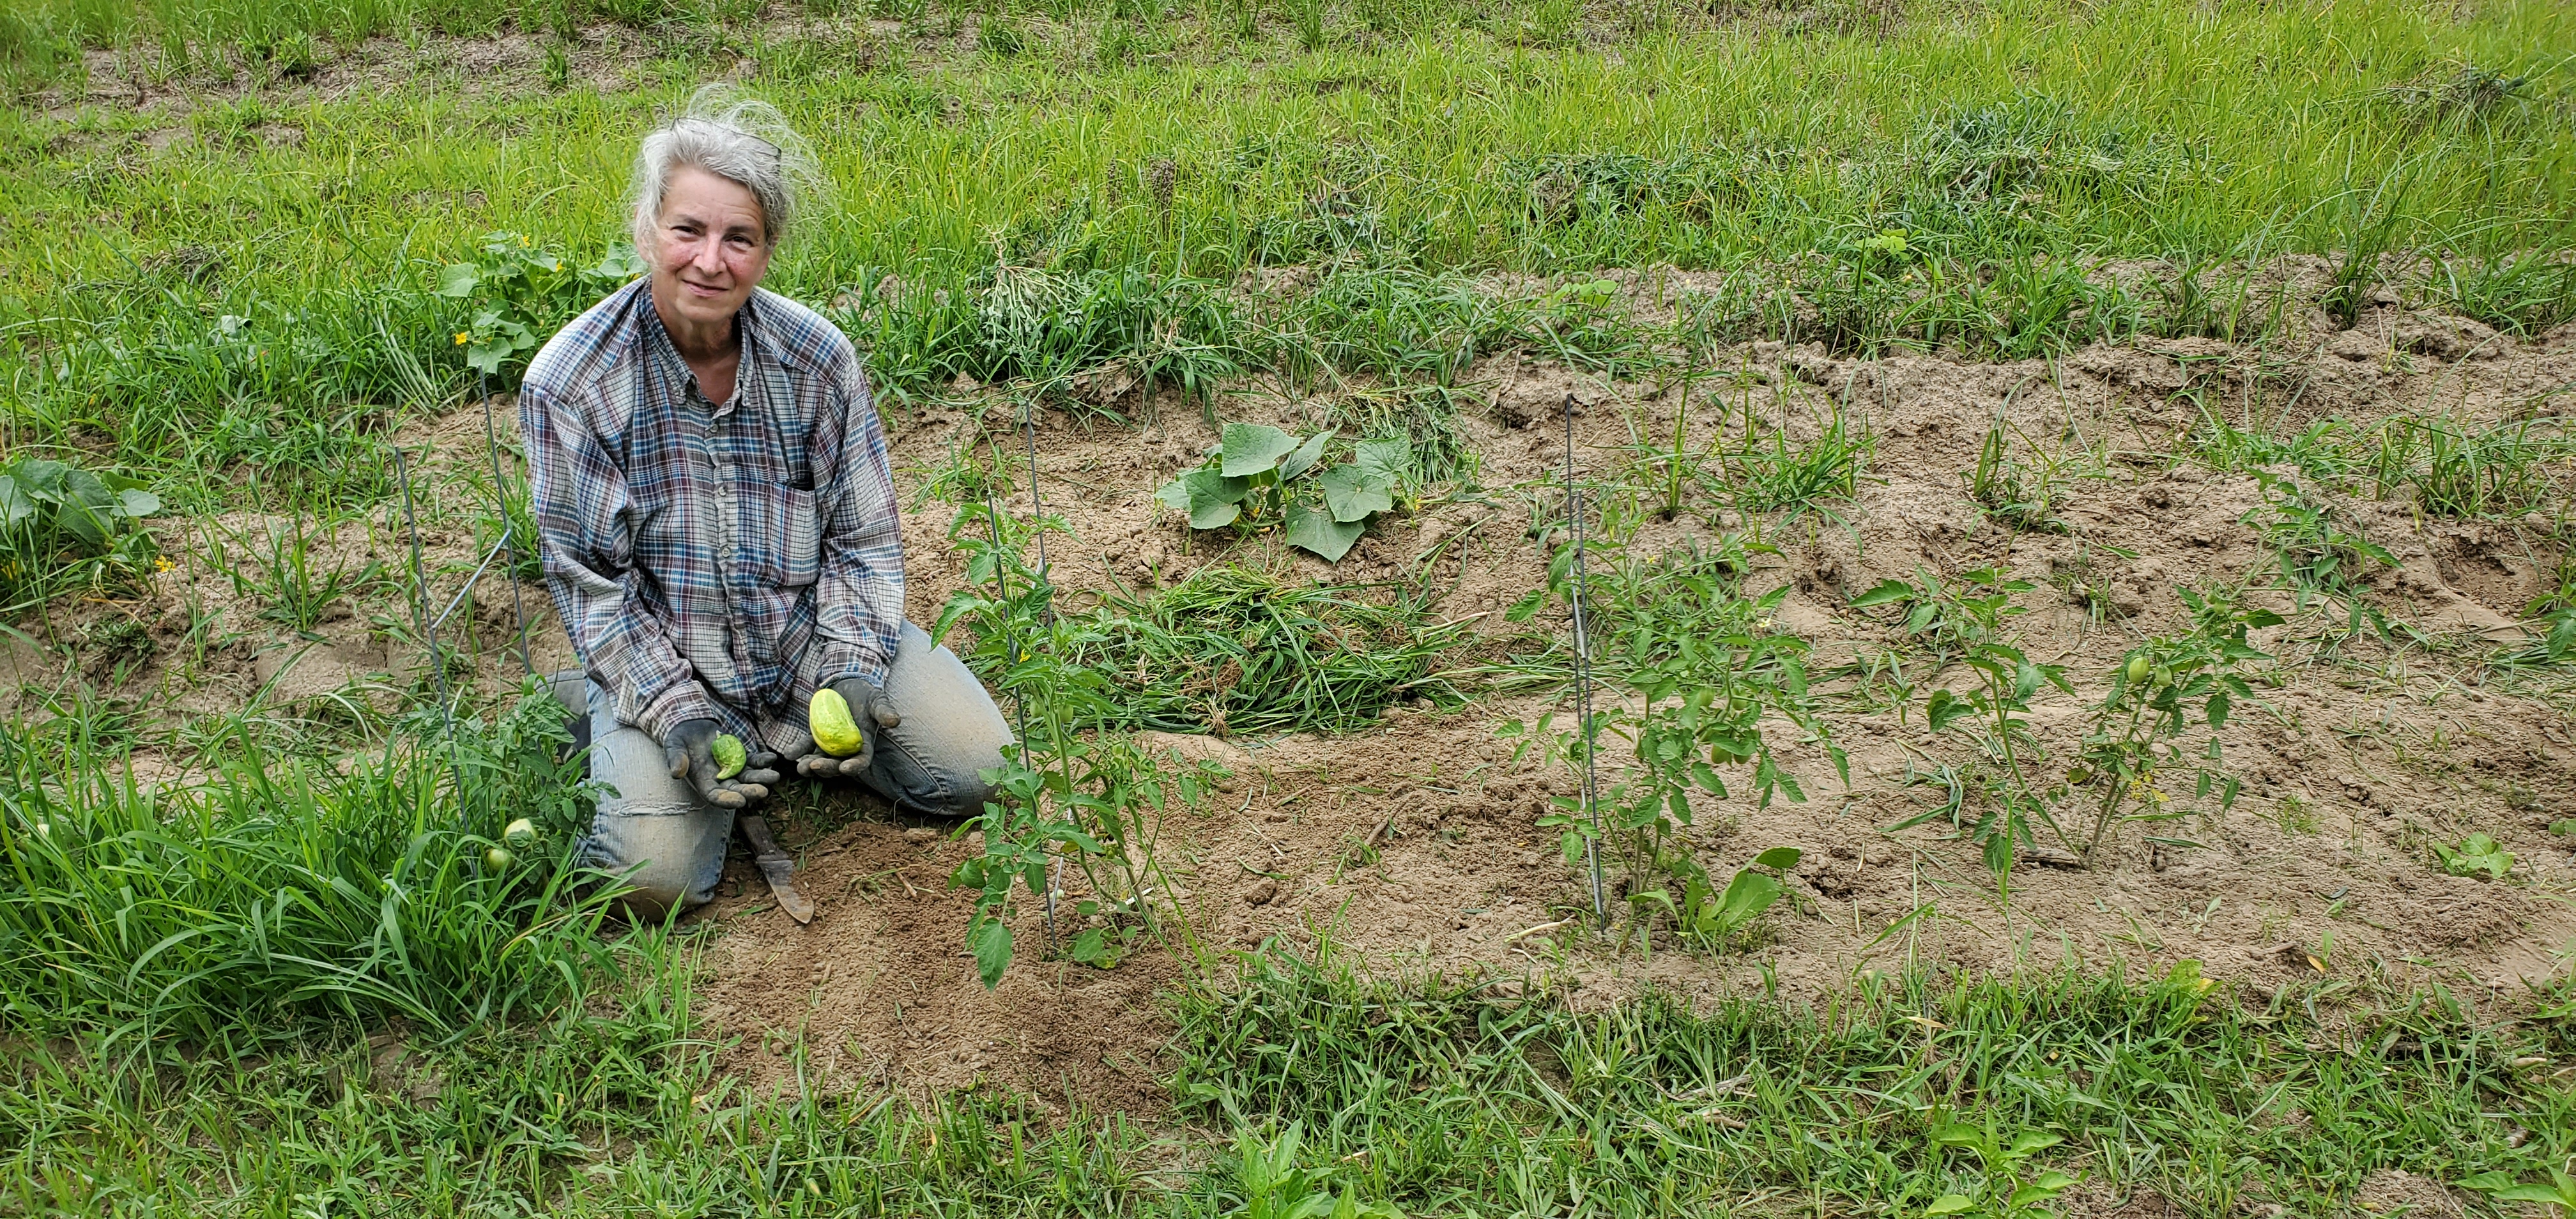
(714, 561)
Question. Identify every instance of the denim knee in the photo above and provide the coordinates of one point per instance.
(650, 829)
(933, 762)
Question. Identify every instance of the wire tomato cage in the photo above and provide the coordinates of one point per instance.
(427, 626)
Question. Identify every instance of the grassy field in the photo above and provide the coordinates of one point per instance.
(281, 249)
(265, 960)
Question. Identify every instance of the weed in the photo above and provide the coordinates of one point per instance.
(2366, 230)
(2525, 294)
(2016, 154)
(2329, 450)
(1749, 303)
(298, 592)
(2193, 306)
(2319, 555)
(1401, 326)
(1308, 17)
(1001, 37)
(2293, 815)
(1779, 476)
(1862, 295)
(1233, 651)
(1998, 486)
(282, 894)
(1461, 1096)
(1586, 324)
(2469, 92)
(1047, 329)
(1426, 416)
(1668, 469)
(2475, 854)
(64, 528)
(2501, 472)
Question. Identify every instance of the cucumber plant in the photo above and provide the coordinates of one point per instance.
(2476, 853)
(63, 527)
(1259, 477)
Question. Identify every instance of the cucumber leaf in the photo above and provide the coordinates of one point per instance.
(1306, 455)
(1254, 448)
(1319, 532)
(1211, 498)
(1353, 494)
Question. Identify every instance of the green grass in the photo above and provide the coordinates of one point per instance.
(1237, 652)
(286, 981)
(1470, 1102)
(1304, 1077)
(280, 895)
(241, 304)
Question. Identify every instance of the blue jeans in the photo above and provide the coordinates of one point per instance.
(670, 846)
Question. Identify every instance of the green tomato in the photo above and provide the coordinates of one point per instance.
(520, 832)
(499, 860)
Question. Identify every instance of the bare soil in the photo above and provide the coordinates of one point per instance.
(1414, 843)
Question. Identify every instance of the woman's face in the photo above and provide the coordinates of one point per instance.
(709, 249)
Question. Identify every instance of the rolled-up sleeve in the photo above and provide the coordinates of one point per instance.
(859, 596)
(582, 508)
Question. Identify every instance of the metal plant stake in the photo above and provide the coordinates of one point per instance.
(427, 625)
(1583, 678)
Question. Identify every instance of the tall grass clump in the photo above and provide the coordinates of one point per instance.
(283, 893)
(1235, 651)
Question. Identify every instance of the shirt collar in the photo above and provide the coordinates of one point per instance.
(658, 345)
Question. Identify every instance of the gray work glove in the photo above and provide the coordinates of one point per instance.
(872, 713)
(686, 748)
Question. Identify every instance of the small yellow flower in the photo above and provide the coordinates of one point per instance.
(461, 337)
(162, 563)
(523, 239)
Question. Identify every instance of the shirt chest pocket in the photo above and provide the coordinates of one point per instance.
(781, 536)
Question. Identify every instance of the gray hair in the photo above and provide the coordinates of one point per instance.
(741, 139)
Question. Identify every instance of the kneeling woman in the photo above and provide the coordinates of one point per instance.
(717, 521)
